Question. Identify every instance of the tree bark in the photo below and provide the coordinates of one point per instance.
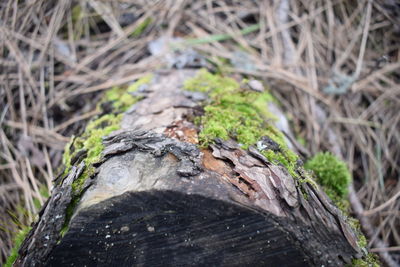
(157, 198)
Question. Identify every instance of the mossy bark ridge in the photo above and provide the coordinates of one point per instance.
(169, 185)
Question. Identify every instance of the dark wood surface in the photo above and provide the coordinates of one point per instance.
(157, 199)
(167, 228)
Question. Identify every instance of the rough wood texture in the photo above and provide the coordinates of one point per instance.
(157, 199)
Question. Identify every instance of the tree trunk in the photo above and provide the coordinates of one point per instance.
(157, 198)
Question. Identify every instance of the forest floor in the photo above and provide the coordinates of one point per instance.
(334, 66)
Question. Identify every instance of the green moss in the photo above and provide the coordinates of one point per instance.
(243, 115)
(91, 140)
(334, 177)
(114, 93)
(68, 214)
(332, 174)
(238, 114)
(122, 98)
(66, 160)
(355, 225)
(19, 238)
(142, 81)
(92, 143)
(287, 158)
(209, 83)
(369, 259)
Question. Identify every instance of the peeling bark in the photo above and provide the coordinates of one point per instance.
(156, 198)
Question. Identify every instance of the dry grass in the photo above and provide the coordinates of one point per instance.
(335, 66)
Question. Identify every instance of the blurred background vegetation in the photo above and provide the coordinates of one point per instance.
(334, 66)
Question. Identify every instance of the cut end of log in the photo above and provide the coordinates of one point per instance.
(156, 198)
(155, 228)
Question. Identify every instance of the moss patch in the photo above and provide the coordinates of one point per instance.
(18, 239)
(370, 260)
(90, 141)
(334, 177)
(331, 173)
(241, 115)
(207, 82)
(122, 98)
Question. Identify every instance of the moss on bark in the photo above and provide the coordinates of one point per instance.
(242, 115)
(90, 142)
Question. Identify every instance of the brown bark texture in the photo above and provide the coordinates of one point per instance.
(158, 199)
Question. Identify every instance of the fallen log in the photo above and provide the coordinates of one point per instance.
(146, 185)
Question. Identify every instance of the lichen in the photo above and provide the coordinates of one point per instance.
(18, 239)
(239, 114)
